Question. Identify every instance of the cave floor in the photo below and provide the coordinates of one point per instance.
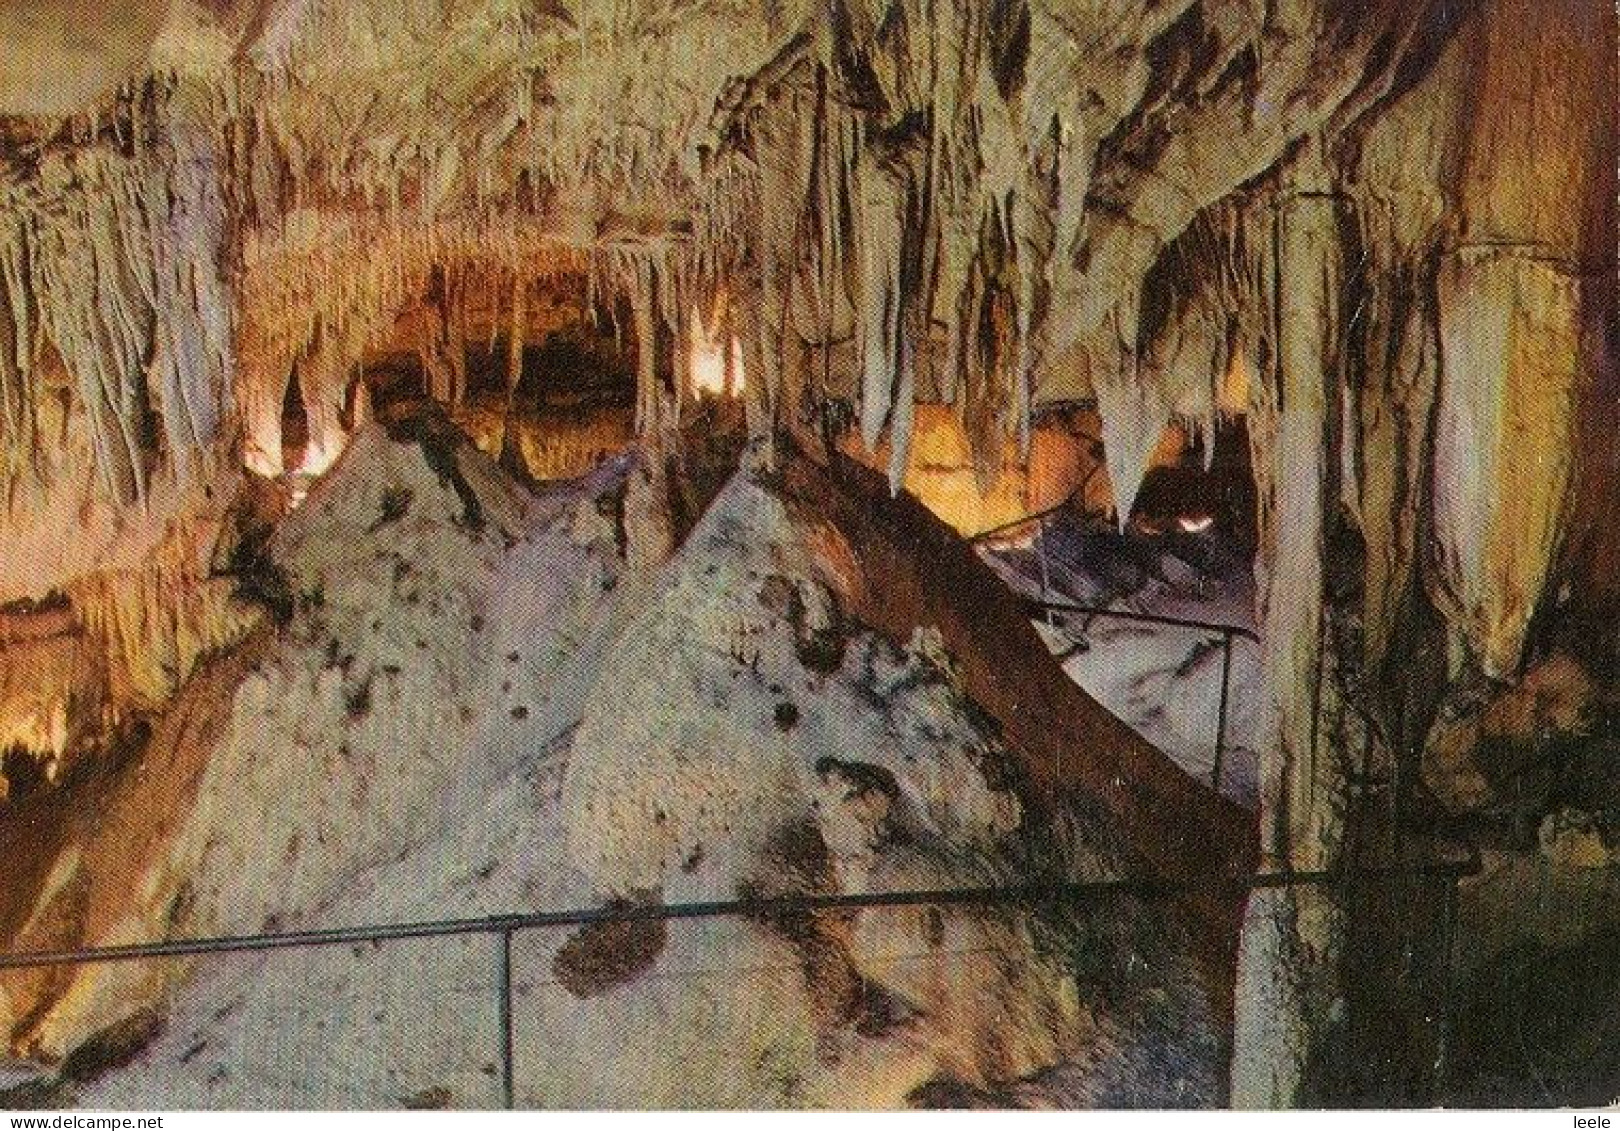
(1163, 680)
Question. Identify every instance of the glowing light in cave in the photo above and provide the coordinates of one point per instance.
(268, 461)
(41, 731)
(319, 456)
(716, 365)
(318, 460)
(1232, 390)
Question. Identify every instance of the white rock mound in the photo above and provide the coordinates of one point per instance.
(477, 707)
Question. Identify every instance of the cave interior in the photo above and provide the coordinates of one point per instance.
(470, 458)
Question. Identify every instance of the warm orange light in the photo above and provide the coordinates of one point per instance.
(320, 456)
(41, 731)
(736, 377)
(716, 366)
(1232, 392)
(262, 455)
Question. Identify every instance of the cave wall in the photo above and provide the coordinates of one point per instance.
(1382, 232)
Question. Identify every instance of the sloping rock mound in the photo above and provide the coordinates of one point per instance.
(478, 707)
(907, 570)
(315, 750)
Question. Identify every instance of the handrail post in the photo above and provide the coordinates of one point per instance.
(1448, 959)
(503, 984)
(1046, 570)
(1220, 717)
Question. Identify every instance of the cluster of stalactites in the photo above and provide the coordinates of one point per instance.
(321, 295)
(122, 253)
(960, 203)
(320, 302)
(956, 202)
(111, 255)
(905, 191)
(993, 205)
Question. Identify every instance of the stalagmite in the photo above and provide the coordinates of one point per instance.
(1289, 998)
(276, 277)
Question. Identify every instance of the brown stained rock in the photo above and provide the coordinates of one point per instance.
(902, 569)
(113, 1047)
(797, 862)
(437, 1098)
(603, 956)
(943, 1094)
(777, 594)
(1570, 838)
(819, 631)
(1479, 752)
(37, 1095)
(118, 826)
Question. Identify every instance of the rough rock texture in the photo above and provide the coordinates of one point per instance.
(997, 206)
(476, 705)
(352, 697)
(1382, 231)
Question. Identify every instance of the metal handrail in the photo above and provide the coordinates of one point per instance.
(505, 927)
(1014, 524)
(1143, 618)
(1045, 606)
(624, 913)
(1227, 633)
(578, 917)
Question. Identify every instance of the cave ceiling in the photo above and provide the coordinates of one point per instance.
(1371, 243)
(999, 205)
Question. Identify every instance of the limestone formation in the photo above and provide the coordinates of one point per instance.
(264, 262)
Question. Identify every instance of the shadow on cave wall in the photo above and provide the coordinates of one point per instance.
(1538, 1028)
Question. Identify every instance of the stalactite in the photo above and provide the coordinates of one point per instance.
(1510, 342)
(649, 281)
(1293, 937)
(516, 335)
(193, 348)
(19, 428)
(644, 316)
(1007, 145)
(52, 690)
(116, 259)
(1401, 352)
(1010, 159)
(157, 622)
(318, 297)
(441, 346)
